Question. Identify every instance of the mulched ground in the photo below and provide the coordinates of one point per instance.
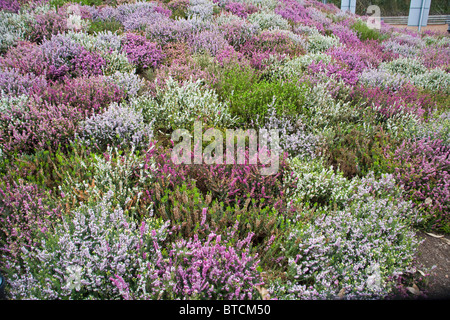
(436, 252)
(439, 27)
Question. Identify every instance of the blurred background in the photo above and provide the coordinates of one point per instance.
(396, 7)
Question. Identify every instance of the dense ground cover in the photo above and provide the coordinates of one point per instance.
(92, 205)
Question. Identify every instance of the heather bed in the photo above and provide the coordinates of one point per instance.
(93, 207)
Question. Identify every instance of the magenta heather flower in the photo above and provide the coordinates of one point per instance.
(241, 9)
(144, 54)
(26, 57)
(339, 71)
(10, 5)
(24, 211)
(423, 167)
(197, 269)
(13, 83)
(38, 126)
(87, 64)
(87, 95)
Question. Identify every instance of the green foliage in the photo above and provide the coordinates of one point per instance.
(47, 168)
(250, 97)
(118, 172)
(186, 207)
(356, 150)
(364, 32)
(105, 25)
(60, 3)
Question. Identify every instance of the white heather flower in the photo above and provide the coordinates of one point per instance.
(74, 279)
(374, 280)
(74, 22)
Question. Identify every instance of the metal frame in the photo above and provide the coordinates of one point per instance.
(418, 13)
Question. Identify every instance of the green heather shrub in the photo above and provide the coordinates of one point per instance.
(118, 172)
(364, 32)
(250, 99)
(105, 25)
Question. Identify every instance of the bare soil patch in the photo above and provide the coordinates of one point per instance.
(436, 252)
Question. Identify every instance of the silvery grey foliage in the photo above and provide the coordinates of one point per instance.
(269, 21)
(433, 80)
(292, 136)
(202, 9)
(13, 28)
(178, 106)
(405, 66)
(382, 79)
(119, 125)
(122, 173)
(349, 253)
(129, 82)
